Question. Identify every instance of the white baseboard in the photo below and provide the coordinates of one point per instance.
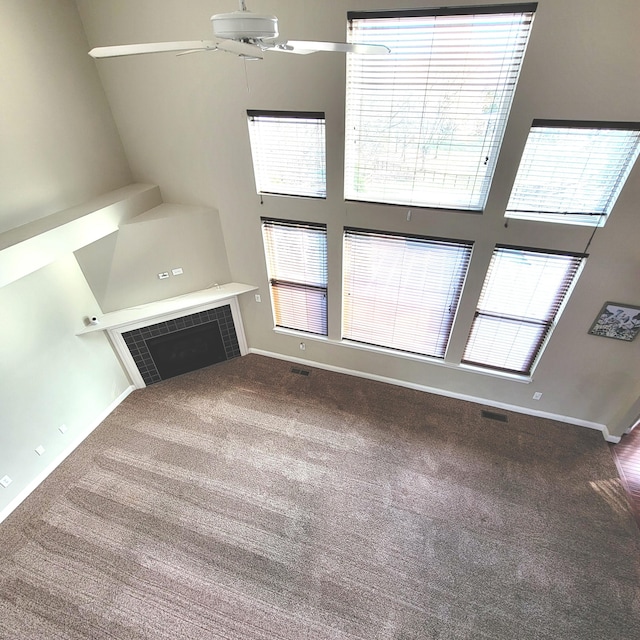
(449, 394)
(33, 484)
(608, 437)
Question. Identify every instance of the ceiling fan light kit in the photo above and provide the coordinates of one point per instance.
(244, 25)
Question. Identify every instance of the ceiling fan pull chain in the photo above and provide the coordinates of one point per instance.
(246, 76)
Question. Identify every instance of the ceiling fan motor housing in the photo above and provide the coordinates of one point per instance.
(242, 25)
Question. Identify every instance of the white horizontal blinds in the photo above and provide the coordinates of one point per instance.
(288, 152)
(297, 266)
(521, 299)
(424, 124)
(402, 292)
(573, 172)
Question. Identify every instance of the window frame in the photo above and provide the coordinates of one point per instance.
(596, 218)
(575, 267)
(478, 178)
(455, 289)
(278, 283)
(260, 155)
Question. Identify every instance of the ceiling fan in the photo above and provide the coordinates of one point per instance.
(242, 33)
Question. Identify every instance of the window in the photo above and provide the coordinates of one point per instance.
(402, 292)
(288, 150)
(297, 265)
(424, 124)
(522, 297)
(573, 172)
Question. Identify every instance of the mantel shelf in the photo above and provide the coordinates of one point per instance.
(157, 309)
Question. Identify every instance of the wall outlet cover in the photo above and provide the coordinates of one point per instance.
(6, 481)
(39, 449)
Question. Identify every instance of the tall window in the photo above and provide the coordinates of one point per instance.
(424, 124)
(522, 297)
(402, 292)
(573, 172)
(296, 255)
(288, 150)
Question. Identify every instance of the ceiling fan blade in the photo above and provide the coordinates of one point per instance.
(309, 46)
(153, 47)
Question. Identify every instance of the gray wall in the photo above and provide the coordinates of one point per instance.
(59, 148)
(122, 268)
(183, 125)
(60, 145)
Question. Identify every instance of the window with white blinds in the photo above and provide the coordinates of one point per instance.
(522, 297)
(296, 255)
(288, 150)
(424, 124)
(573, 172)
(402, 292)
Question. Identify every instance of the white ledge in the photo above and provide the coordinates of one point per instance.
(151, 310)
(36, 244)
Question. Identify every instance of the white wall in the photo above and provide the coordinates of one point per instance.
(49, 375)
(59, 148)
(183, 125)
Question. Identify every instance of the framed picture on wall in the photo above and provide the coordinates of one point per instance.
(617, 320)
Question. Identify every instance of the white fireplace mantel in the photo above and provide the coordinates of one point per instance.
(157, 310)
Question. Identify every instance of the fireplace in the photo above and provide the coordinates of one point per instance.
(187, 350)
(142, 336)
(167, 349)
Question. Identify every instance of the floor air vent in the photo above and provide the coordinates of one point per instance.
(492, 415)
(300, 372)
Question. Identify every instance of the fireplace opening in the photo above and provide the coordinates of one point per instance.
(187, 350)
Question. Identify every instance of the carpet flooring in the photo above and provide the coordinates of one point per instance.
(248, 502)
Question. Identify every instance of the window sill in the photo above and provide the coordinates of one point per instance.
(513, 377)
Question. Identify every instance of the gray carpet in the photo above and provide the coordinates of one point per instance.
(245, 502)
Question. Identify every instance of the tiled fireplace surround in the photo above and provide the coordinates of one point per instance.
(136, 340)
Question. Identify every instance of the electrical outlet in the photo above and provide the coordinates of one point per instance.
(177, 272)
(6, 481)
(258, 298)
(39, 449)
(62, 428)
(163, 275)
(537, 395)
(303, 346)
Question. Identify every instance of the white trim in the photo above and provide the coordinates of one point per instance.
(608, 437)
(126, 359)
(441, 392)
(35, 482)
